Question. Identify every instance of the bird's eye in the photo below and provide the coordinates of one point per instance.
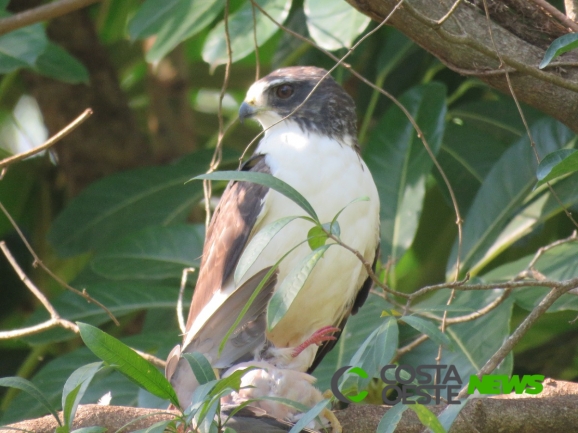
(284, 91)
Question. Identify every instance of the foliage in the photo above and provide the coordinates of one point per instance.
(127, 237)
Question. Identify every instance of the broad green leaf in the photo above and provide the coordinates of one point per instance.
(316, 237)
(52, 376)
(376, 351)
(357, 330)
(427, 418)
(560, 46)
(266, 180)
(21, 48)
(74, 389)
(125, 360)
(123, 203)
(241, 31)
(31, 389)
(428, 328)
(173, 22)
(556, 164)
(400, 164)
(532, 215)
(258, 244)
(389, 422)
(291, 286)
(503, 191)
(201, 367)
(154, 253)
(333, 24)
(120, 298)
(309, 416)
(55, 62)
(474, 341)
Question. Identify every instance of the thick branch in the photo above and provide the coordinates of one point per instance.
(462, 43)
(42, 13)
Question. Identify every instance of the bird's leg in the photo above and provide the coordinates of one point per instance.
(318, 337)
(335, 424)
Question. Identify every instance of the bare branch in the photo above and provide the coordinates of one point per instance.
(557, 14)
(530, 268)
(50, 142)
(42, 13)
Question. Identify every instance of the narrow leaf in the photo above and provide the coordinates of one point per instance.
(556, 164)
(125, 360)
(560, 46)
(258, 244)
(265, 180)
(391, 418)
(201, 367)
(309, 416)
(95, 429)
(427, 418)
(77, 383)
(31, 389)
(291, 286)
(427, 328)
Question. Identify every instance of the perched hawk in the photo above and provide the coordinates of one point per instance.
(315, 151)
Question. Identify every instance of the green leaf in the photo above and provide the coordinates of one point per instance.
(556, 164)
(153, 253)
(265, 180)
(376, 351)
(316, 237)
(475, 341)
(74, 389)
(173, 22)
(31, 389)
(400, 164)
(502, 193)
(201, 367)
(241, 31)
(427, 418)
(21, 48)
(391, 418)
(124, 203)
(55, 62)
(233, 381)
(257, 244)
(560, 46)
(125, 360)
(291, 286)
(333, 24)
(309, 416)
(429, 329)
(120, 298)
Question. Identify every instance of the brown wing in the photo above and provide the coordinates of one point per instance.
(227, 235)
(360, 299)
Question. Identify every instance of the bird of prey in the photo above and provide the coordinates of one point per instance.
(310, 142)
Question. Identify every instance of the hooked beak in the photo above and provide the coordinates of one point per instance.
(246, 111)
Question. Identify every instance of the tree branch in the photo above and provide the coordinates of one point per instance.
(42, 13)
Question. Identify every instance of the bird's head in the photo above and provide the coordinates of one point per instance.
(329, 110)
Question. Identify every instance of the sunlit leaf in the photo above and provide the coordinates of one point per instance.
(334, 24)
(427, 418)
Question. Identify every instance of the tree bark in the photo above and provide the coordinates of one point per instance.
(553, 410)
(520, 34)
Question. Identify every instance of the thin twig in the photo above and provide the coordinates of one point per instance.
(38, 262)
(517, 335)
(255, 43)
(552, 10)
(42, 13)
(449, 14)
(572, 238)
(50, 142)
